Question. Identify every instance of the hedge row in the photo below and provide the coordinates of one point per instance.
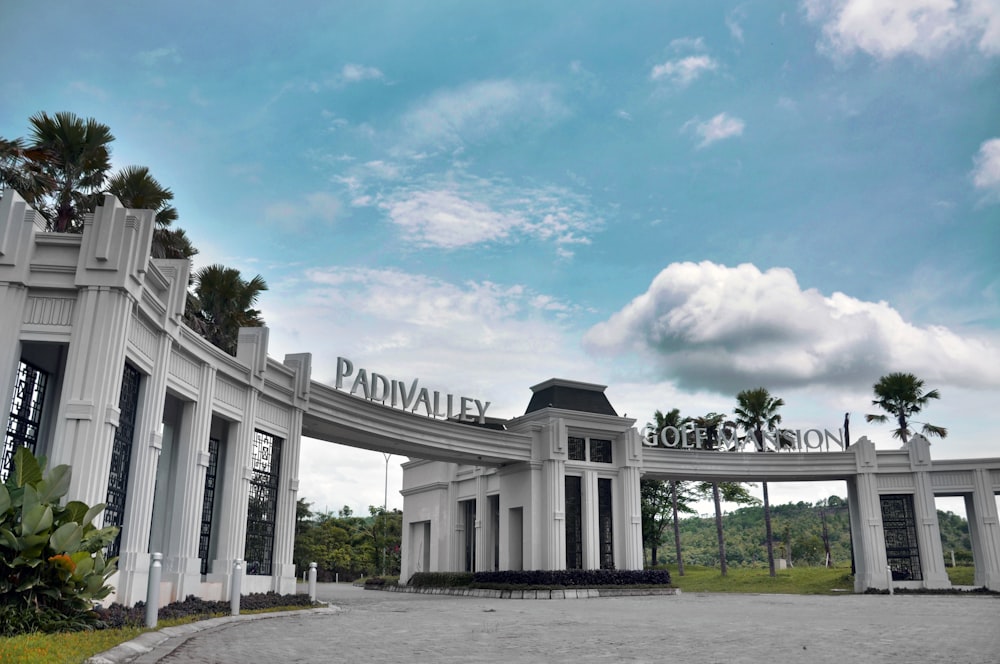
(567, 578)
(441, 579)
(574, 578)
(117, 615)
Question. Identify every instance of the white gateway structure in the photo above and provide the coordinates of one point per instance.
(196, 452)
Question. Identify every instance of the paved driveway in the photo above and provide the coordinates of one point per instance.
(373, 626)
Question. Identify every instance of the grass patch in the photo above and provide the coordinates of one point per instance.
(794, 581)
(76, 647)
(65, 648)
(962, 576)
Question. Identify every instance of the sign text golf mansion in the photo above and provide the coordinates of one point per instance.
(376, 387)
(724, 438)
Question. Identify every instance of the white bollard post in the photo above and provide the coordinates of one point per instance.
(234, 595)
(888, 577)
(312, 582)
(153, 590)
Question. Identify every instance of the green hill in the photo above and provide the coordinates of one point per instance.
(796, 526)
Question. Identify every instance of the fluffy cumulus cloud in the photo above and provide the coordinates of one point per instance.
(477, 111)
(718, 128)
(890, 28)
(986, 170)
(725, 328)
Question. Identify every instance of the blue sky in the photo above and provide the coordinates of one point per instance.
(679, 200)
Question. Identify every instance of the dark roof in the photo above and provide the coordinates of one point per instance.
(497, 423)
(570, 395)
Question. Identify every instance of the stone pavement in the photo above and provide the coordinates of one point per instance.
(695, 628)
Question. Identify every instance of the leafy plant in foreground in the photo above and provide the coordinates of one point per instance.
(52, 568)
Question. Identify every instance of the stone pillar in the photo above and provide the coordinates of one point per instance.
(482, 509)
(925, 514)
(589, 517)
(235, 475)
(134, 554)
(182, 564)
(17, 233)
(867, 534)
(984, 530)
(631, 511)
(114, 253)
(630, 498)
(283, 573)
(553, 543)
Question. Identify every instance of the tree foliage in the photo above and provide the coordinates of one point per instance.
(222, 303)
(347, 545)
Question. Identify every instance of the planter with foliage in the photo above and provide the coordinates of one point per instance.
(52, 567)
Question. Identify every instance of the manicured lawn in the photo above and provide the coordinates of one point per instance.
(76, 647)
(795, 581)
(66, 648)
(961, 576)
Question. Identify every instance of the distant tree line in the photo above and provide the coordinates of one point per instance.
(346, 546)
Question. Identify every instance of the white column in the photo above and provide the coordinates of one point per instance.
(134, 555)
(12, 299)
(554, 517)
(283, 574)
(590, 518)
(631, 511)
(182, 564)
(89, 413)
(984, 530)
(234, 496)
(482, 510)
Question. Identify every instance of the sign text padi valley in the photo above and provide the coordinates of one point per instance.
(376, 387)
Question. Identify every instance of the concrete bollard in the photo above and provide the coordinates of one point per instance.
(234, 594)
(312, 582)
(153, 590)
(888, 577)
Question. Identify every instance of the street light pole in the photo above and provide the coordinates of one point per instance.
(385, 504)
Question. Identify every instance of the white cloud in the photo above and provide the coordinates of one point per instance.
(470, 211)
(720, 127)
(480, 110)
(684, 71)
(441, 218)
(890, 28)
(354, 73)
(688, 44)
(155, 56)
(733, 19)
(986, 171)
(722, 328)
(303, 214)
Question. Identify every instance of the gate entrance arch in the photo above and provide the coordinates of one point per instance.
(201, 454)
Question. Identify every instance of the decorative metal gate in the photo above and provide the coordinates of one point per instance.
(208, 503)
(121, 455)
(25, 415)
(605, 527)
(574, 523)
(899, 525)
(263, 506)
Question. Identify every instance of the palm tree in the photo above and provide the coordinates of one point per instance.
(755, 410)
(223, 303)
(902, 396)
(21, 171)
(73, 157)
(661, 421)
(136, 188)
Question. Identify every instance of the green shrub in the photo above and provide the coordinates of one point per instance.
(441, 579)
(573, 578)
(52, 568)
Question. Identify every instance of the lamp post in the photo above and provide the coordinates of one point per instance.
(385, 503)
